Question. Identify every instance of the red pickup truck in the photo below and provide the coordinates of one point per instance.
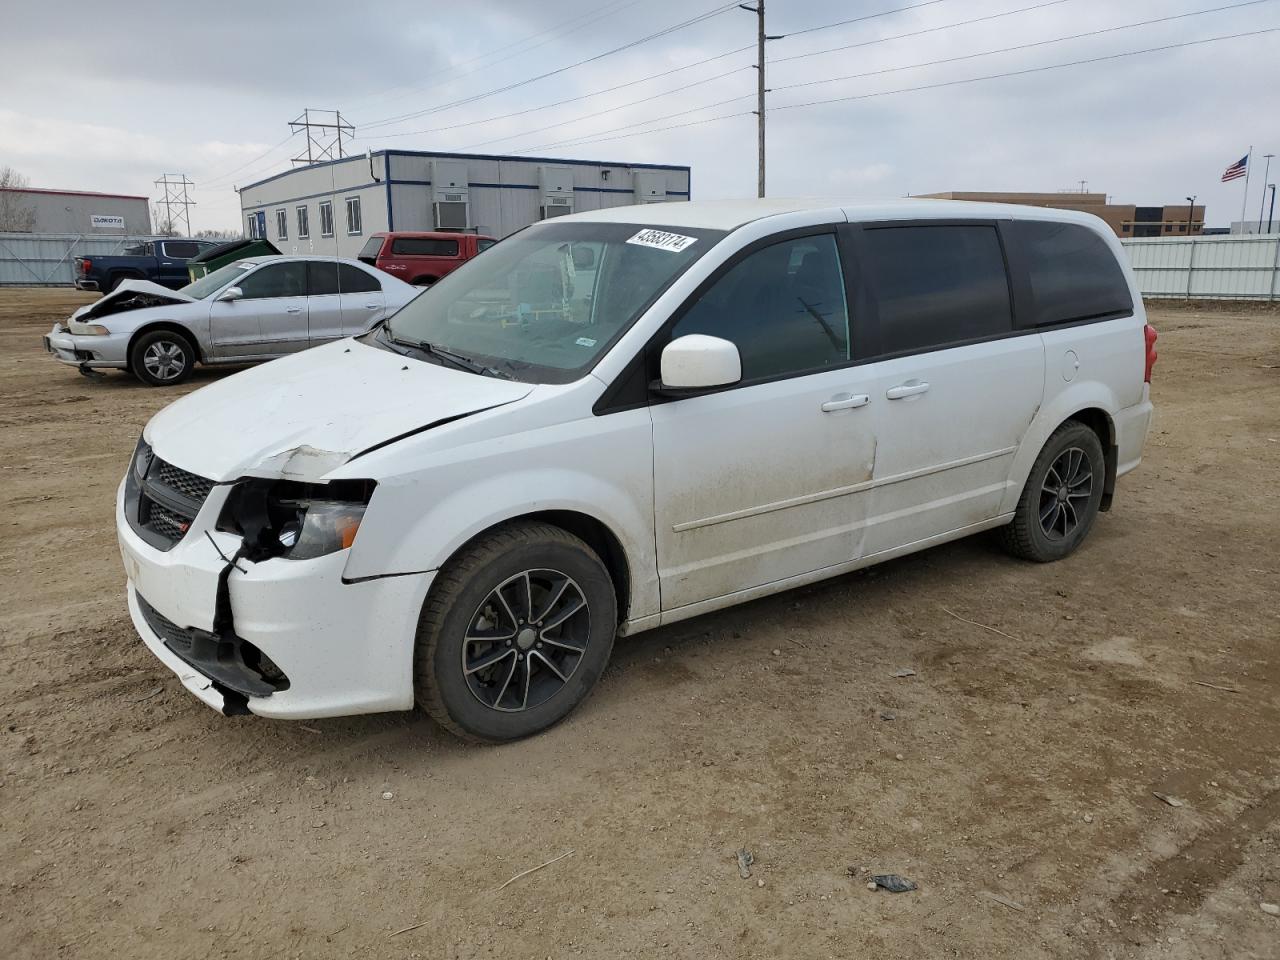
(420, 257)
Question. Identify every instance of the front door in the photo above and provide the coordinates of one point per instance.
(767, 480)
(957, 387)
(269, 319)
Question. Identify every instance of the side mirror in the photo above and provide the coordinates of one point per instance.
(584, 258)
(699, 362)
(231, 293)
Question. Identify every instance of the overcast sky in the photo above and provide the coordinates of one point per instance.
(110, 97)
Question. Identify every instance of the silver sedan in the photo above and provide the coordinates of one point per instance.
(247, 311)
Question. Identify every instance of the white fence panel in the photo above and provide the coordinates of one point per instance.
(32, 259)
(1207, 268)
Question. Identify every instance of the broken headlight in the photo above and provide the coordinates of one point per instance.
(142, 456)
(297, 521)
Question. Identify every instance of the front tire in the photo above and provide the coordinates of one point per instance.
(1060, 501)
(514, 633)
(162, 358)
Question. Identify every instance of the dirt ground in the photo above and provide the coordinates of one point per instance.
(1013, 777)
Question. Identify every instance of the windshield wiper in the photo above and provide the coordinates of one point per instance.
(456, 359)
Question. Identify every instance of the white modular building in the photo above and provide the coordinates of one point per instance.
(333, 207)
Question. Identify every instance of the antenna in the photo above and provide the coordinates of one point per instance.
(324, 136)
(173, 187)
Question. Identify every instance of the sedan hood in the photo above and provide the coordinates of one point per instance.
(307, 414)
(130, 295)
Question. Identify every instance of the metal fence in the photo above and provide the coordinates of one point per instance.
(1207, 268)
(48, 259)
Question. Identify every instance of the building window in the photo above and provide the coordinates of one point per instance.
(282, 224)
(353, 215)
(304, 223)
(1127, 228)
(1182, 228)
(326, 218)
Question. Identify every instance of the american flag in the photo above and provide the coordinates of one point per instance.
(1237, 169)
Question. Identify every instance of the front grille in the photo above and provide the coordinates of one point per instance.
(162, 626)
(184, 481)
(162, 507)
(168, 523)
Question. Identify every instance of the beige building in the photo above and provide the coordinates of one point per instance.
(1126, 219)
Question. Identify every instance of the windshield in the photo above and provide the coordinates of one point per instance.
(211, 283)
(544, 304)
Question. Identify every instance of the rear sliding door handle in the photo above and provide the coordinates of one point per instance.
(912, 388)
(845, 402)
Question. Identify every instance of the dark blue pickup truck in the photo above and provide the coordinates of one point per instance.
(160, 261)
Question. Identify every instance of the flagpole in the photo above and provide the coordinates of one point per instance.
(1248, 165)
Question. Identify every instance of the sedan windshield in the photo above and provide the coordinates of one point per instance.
(211, 283)
(543, 305)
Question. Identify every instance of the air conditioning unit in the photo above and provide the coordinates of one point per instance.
(555, 188)
(450, 194)
(650, 186)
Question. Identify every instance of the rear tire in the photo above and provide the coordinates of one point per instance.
(1061, 499)
(515, 631)
(162, 358)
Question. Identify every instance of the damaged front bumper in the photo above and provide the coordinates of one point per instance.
(294, 641)
(87, 353)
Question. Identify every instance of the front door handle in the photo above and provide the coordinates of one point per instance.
(844, 401)
(292, 309)
(912, 388)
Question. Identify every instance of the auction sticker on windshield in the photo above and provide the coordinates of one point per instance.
(661, 240)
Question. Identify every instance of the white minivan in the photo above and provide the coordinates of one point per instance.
(618, 419)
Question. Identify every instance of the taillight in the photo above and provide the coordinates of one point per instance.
(85, 264)
(1149, 333)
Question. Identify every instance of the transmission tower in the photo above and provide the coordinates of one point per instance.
(173, 188)
(324, 135)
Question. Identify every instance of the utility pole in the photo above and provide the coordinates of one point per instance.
(761, 89)
(173, 188)
(324, 135)
(1265, 174)
(1191, 213)
(1271, 212)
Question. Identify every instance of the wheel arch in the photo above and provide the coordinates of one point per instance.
(592, 531)
(169, 325)
(1101, 423)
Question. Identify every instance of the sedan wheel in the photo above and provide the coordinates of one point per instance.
(162, 358)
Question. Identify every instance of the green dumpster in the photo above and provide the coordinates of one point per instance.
(225, 253)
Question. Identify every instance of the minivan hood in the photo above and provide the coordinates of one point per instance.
(306, 414)
(130, 295)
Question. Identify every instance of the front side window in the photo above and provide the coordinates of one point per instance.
(783, 306)
(1071, 271)
(282, 225)
(276, 280)
(547, 302)
(353, 215)
(304, 224)
(937, 286)
(326, 218)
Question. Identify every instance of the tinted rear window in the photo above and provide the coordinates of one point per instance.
(423, 247)
(181, 249)
(937, 285)
(1071, 273)
(354, 280)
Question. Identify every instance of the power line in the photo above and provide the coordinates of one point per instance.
(597, 138)
(269, 150)
(868, 16)
(680, 89)
(917, 33)
(707, 15)
(585, 96)
(1024, 46)
(552, 33)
